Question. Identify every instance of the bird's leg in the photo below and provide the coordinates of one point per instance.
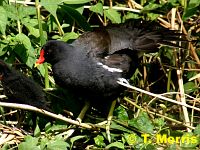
(109, 118)
(79, 118)
(20, 118)
(83, 111)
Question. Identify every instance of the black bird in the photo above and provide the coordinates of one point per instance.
(20, 89)
(92, 64)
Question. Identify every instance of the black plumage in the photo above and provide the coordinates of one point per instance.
(21, 89)
(92, 64)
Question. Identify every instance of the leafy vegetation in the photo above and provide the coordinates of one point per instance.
(140, 121)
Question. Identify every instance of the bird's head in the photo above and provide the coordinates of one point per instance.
(52, 52)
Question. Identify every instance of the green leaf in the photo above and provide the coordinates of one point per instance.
(75, 138)
(29, 144)
(75, 15)
(11, 12)
(3, 20)
(115, 144)
(37, 132)
(70, 36)
(192, 9)
(24, 49)
(98, 8)
(56, 145)
(51, 5)
(193, 3)
(160, 122)
(47, 127)
(142, 122)
(113, 15)
(119, 127)
(189, 140)
(151, 6)
(76, 1)
(197, 130)
(121, 113)
(99, 141)
(23, 39)
(189, 87)
(24, 11)
(133, 139)
(153, 16)
(5, 147)
(4, 47)
(58, 127)
(131, 15)
(33, 31)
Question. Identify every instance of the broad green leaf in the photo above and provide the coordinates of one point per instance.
(122, 113)
(76, 1)
(151, 6)
(43, 143)
(192, 9)
(115, 144)
(23, 39)
(113, 15)
(11, 12)
(24, 49)
(33, 31)
(153, 16)
(75, 15)
(131, 15)
(99, 141)
(189, 12)
(24, 11)
(142, 122)
(29, 144)
(133, 139)
(189, 140)
(193, 3)
(56, 145)
(98, 8)
(51, 5)
(70, 36)
(3, 20)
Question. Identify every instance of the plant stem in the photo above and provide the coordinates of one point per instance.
(42, 41)
(61, 32)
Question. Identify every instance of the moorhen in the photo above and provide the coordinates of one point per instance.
(21, 89)
(92, 64)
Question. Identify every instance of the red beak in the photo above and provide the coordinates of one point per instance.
(41, 58)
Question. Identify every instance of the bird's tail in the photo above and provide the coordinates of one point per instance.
(143, 36)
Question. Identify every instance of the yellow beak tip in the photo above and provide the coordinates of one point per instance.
(36, 65)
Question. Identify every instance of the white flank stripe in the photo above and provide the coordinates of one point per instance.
(109, 68)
